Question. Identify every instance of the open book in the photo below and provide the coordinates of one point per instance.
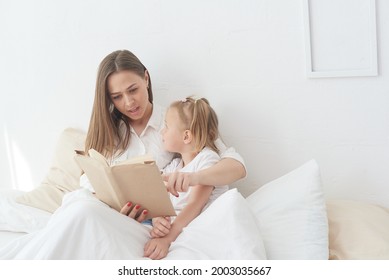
(137, 180)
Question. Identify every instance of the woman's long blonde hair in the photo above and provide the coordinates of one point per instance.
(198, 116)
(104, 133)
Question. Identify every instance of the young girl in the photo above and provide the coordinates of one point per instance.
(191, 128)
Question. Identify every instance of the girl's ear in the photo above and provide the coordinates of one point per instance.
(188, 136)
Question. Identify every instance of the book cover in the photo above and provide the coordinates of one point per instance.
(137, 180)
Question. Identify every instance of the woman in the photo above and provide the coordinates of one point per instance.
(124, 123)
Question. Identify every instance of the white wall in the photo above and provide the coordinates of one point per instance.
(246, 56)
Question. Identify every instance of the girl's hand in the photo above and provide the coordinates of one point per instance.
(179, 181)
(134, 212)
(161, 227)
(157, 248)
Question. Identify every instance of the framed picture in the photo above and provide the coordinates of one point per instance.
(340, 38)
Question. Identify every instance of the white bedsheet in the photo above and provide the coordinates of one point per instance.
(226, 230)
(17, 217)
(8, 236)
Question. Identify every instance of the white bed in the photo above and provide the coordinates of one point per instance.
(7, 236)
(287, 218)
(18, 219)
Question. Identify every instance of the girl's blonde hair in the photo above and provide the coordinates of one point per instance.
(104, 133)
(198, 116)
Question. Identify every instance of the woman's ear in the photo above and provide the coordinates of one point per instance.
(188, 136)
(147, 78)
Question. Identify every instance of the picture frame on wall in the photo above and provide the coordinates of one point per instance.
(340, 38)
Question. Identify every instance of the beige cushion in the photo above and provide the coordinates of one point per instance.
(357, 230)
(63, 176)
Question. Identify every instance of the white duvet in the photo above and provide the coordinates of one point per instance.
(225, 230)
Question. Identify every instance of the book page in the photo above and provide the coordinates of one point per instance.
(101, 179)
(99, 157)
(139, 159)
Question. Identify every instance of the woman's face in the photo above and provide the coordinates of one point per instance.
(129, 95)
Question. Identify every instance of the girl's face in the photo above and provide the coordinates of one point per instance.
(128, 93)
(173, 132)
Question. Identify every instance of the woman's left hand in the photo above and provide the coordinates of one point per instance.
(134, 212)
(157, 248)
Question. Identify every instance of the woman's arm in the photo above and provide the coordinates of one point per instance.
(225, 172)
(157, 248)
(228, 170)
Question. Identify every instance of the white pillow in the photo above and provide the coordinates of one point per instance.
(18, 217)
(227, 229)
(292, 216)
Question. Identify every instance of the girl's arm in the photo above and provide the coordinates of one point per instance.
(158, 248)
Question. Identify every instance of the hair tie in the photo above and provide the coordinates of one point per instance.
(196, 99)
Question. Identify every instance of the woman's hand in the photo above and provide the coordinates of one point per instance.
(161, 227)
(180, 181)
(134, 212)
(224, 172)
(157, 248)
